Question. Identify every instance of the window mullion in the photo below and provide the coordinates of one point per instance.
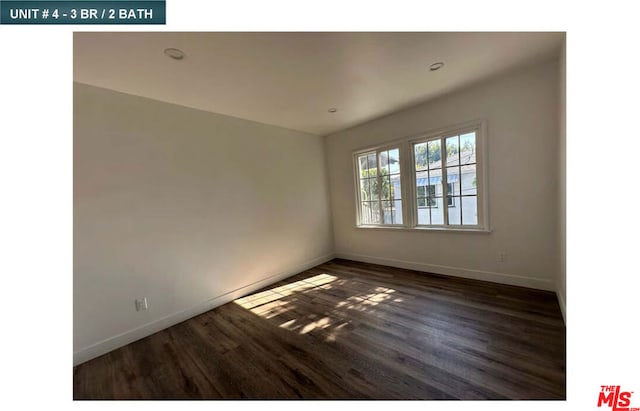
(379, 178)
(409, 218)
(426, 189)
(445, 179)
(460, 176)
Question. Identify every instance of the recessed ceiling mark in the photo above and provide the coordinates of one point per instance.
(436, 66)
(175, 54)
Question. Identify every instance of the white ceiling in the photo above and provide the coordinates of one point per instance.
(291, 79)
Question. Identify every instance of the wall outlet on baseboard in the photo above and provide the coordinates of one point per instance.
(141, 304)
(502, 257)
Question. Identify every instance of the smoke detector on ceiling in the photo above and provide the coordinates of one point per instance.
(436, 66)
(175, 54)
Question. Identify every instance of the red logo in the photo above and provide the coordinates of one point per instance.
(611, 396)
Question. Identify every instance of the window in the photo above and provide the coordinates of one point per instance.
(380, 194)
(458, 170)
(442, 177)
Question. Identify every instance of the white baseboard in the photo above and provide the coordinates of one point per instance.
(563, 307)
(501, 278)
(127, 337)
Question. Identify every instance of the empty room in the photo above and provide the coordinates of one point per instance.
(319, 215)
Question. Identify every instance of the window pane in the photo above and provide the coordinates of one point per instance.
(386, 188)
(451, 200)
(454, 212)
(364, 190)
(468, 148)
(420, 155)
(453, 180)
(373, 182)
(383, 158)
(434, 154)
(373, 165)
(365, 212)
(396, 191)
(468, 180)
(452, 151)
(375, 212)
(362, 164)
(437, 213)
(397, 212)
(431, 191)
(470, 210)
(431, 194)
(433, 178)
(386, 212)
(394, 161)
(423, 215)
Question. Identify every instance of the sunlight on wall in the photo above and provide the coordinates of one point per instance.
(281, 302)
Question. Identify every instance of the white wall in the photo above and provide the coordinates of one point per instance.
(561, 280)
(186, 208)
(521, 110)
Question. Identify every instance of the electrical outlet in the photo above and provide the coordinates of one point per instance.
(141, 304)
(502, 256)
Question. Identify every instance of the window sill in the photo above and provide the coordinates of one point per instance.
(434, 229)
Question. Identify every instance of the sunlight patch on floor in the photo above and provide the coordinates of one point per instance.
(335, 331)
(278, 301)
(255, 300)
(321, 323)
(366, 301)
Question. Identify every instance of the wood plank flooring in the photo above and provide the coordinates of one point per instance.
(349, 330)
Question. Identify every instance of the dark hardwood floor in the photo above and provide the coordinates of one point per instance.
(349, 330)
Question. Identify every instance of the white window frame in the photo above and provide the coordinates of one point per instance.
(408, 178)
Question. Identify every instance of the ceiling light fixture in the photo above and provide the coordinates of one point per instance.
(332, 110)
(175, 54)
(436, 66)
